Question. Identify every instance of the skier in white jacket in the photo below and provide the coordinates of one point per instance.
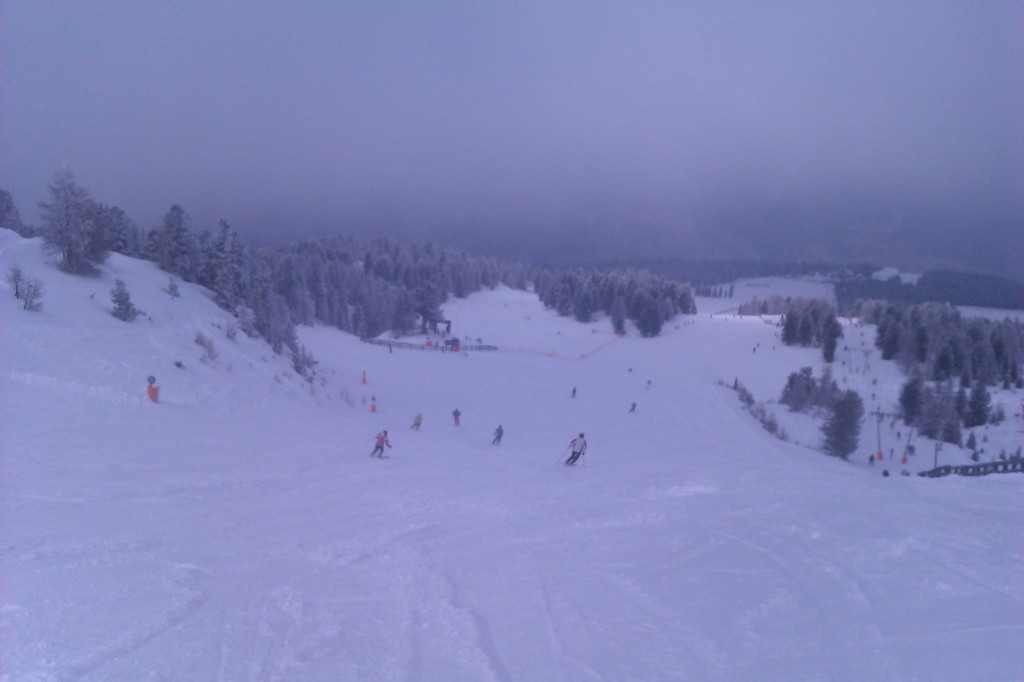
(579, 448)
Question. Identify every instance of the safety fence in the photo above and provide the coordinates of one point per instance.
(1000, 467)
(451, 348)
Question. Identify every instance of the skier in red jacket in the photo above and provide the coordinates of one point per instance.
(382, 440)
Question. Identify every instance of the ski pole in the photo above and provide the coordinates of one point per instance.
(563, 453)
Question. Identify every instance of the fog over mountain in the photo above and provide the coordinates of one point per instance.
(553, 132)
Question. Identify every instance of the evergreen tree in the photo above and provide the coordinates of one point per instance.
(942, 368)
(978, 406)
(648, 318)
(173, 245)
(833, 332)
(921, 345)
(10, 218)
(951, 432)
(226, 267)
(938, 414)
(206, 257)
(687, 305)
(961, 403)
(124, 309)
(929, 418)
(805, 331)
(789, 330)
(426, 302)
(584, 305)
(981, 356)
(565, 294)
(799, 391)
(827, 391)
(272, 320)
(101, 227)
(67, 229)
(803, 391)
(404, 319)
(303, 362)
(618, 315)
(842, 429)
(120, 232)
(889, 336)
(910, 399)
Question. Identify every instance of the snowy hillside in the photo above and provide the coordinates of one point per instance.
(238, 529)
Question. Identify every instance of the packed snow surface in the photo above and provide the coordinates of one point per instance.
(239, 530)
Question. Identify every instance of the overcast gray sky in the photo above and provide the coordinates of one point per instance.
(585, 129)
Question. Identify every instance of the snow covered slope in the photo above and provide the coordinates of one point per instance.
(238, 529)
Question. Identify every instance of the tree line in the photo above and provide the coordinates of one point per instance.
(648, 300)
(703, 274)
(941, 286)
(843, 410)
(806, 322)
(936, 340)
(950, 362)
(362, 285)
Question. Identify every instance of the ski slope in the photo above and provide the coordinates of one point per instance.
(238, 529)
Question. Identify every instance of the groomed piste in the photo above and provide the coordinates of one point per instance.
(238, 529)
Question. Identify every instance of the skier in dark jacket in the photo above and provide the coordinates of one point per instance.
(579, 448)
(498, 433)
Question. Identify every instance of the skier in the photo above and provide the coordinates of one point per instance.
(382, 440)
(498, 433)
(573, 391)
(456, 414)
(632, 408)
(579, 447)
(417, 421)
